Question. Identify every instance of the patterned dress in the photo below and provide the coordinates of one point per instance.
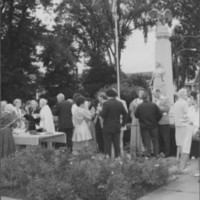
(7, 145)
(82, 134)
(136, 144)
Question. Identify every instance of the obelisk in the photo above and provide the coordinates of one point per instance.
(163, 54)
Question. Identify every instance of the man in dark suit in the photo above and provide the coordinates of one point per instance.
(63, 110)
(111, 112)
(149, 115)
(164, 127)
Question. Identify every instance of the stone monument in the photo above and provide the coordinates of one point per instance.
(162, 77)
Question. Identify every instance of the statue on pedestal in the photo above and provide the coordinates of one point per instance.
(161, 17)
(158, 78)
(162, 77)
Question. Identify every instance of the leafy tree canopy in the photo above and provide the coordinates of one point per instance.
(21, 31)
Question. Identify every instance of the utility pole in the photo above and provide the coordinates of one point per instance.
(115, 15)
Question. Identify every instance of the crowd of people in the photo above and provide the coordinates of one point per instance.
(151, 123)
(101, 127)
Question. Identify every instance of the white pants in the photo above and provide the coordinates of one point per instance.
(188, 139)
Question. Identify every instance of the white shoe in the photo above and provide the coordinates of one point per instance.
(196, 175)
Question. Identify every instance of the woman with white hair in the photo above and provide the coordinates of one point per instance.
(46, 117)
(180, 119)
(8, 122)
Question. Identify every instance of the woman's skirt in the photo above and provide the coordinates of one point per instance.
(180, 134)
(136, 144)
(7, 144)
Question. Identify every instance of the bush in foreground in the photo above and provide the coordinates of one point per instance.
(43, 175)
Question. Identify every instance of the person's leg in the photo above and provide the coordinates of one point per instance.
(154, 138)
(146, 140)
(160, 140)
(116, 143)
(122, 142)
(58, 144)
(183, 161)
(107, 143)
(99, 136)
(178, 153)
(165, 134)
(178, 131)
(69, 134)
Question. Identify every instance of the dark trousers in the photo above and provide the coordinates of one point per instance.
(195, 149)
(164, 138)
(69, 134)
(99, 136)
(109, 139)
(149, 135)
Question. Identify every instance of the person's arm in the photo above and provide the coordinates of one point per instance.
(87, 115)
(103, 112)
(158, 113)
(55, 110)
(136, 113)
(124, 115)
(165, 106)
(132, 107)
(93, 111)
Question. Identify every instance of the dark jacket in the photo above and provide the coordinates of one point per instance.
(111, 112)
(149, 114)
(32, 121)
(63, 111)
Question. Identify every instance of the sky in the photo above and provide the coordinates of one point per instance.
(138, 56)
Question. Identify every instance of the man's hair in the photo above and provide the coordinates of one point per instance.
(145, 95)
(102, 94)
(43, 102)
(140, 89)
(194, 95)
(111, 92)
(75, 96)
(156, 90)
(80, 100)
(17, 101)
(61, 96)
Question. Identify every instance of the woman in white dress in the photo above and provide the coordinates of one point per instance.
(81, 135)
(46, 117)
(136, 145)
(180, 119)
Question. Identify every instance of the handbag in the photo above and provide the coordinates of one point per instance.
(197, 135)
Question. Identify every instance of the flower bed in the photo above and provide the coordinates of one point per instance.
(44, 175)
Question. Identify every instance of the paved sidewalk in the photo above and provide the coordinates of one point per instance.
(184, 188)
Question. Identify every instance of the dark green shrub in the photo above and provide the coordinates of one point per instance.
(50, 188)
(44, 175)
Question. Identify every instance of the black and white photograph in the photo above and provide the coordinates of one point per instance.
(100, 100)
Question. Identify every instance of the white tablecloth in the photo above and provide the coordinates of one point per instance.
(28, 139)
